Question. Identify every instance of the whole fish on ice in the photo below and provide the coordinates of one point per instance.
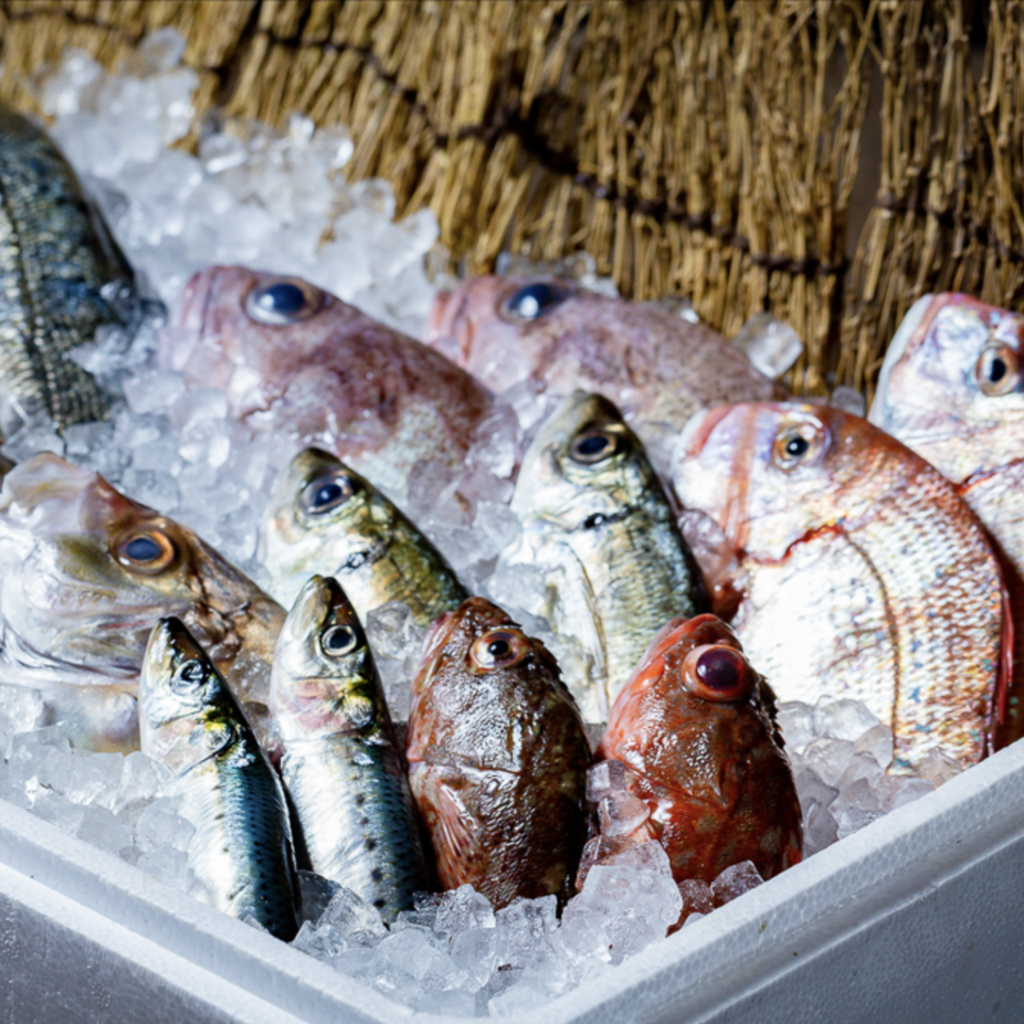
(340, 760)
(952, 390)
(62, 277)
(561, 337)
(498, 758)
(86, 572)
(695, 725)
(242, 852)
(294, 359)
(862, 572)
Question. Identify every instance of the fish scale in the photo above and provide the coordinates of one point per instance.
(61, 278)
(864, 574)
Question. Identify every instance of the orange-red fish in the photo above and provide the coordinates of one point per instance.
(561, 337)
(952, 389)
(863, 574)
(498, 758)
(295, 359)
(696, 727)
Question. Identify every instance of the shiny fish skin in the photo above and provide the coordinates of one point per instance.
(497, 758)
(61, 278)
(624, 350)
(710, 766)
(863, 573)
(325, 374)
(242, 853)
(340, 762)
(76, 612)
(360, 537)
(606, 532)
(937, 395)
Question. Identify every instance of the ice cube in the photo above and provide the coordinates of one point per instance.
(771, 345)
(161, 50)
(100, 828)
(849, 400)
(735, 881)
(159, 826)
(856, 806)
(877, 743)
(796, 720)
(605, 778)
(829, 758)
(697, 896)
(168, 865)
(621, 813)
(316, 893)
(938, 767)
(59, 811)
(843, 719)
(463, 908)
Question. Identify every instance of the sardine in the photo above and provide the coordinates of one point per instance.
(952, 390)
(863, 573)
(87, 572)
(597, 518)
(695, 725)
(296, 360)
(498, 758)
(325, 518)
(61, 278)
(340, 763)
(561, 337)
(242, 853)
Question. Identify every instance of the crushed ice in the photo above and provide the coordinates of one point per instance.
(279, 201)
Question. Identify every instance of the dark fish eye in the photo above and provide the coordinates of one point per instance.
(326, 493)
(594, 445)
(997, 370)
(798, 444)
(283, 300)
(188, 677)
(499, 648)
(146, 551)
(338, 641)
(717, 672)
(535, 299)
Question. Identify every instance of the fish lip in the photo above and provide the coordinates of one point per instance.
(451, 319)
(195, 299)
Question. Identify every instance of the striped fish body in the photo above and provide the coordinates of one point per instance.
(61, 278)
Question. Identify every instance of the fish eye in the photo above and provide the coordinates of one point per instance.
(146, 551)
(717, 672)
(326, 493)
(499, 648)
(798, 444)
(339, 641)
(534, 300)
(594, 445)
(189, 677)
(997, 370)
(283, 300)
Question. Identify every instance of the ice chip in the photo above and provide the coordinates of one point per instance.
(101, 829)
(697, 896)
(411, 951)
(168, 865)
(796, 720)
(938, 767)
(621, 813)
(843, 719)
(353, 918)
(391, 630)
(820, 829)
(771, 345)
(159, 826)
(604, 778)
(877, 742)
(463, 908)
(59, 811)
(735, 881)
(69, 87)
(316, 893)
(829, 758)
(849, 400)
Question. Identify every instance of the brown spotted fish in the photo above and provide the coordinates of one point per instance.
(862, 572)
(296, 360)
(695, 726)
(952, 389)
(560, 337)
(498, 758)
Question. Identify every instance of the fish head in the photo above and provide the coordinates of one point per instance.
(96, 571)
(185, 707)
(480, 673)
(584, 462)
(952, 384)
(324, 680)
(771, 473)
(318, 514)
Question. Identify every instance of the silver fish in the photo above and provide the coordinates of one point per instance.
(340, 762)
(242, 853)
(325, 518)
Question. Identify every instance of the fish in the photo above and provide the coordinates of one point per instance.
(863, 573)
(559, 337)
(326, 518)
(62, 278)
(242, 853)
(86, 573)
(951, 389)
(295, 360)
(341, 763)
(597, 518)
(695, 726)
(498, 758)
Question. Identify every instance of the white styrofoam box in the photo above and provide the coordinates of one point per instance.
(917, 918)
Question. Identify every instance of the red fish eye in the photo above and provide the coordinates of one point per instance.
(997, 370)
(797, 444)
(499, 648)
(146, 551)
(719, 673)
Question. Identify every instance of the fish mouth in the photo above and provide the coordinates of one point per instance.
(451, 324)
